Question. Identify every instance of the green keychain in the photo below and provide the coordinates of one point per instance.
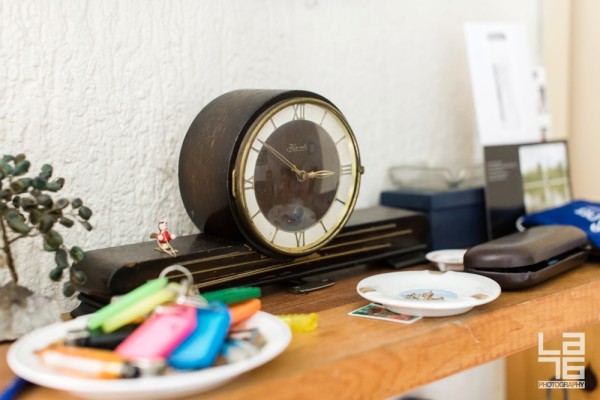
(105, 313)
(232, 295)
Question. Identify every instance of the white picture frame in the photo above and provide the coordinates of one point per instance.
(502, 83)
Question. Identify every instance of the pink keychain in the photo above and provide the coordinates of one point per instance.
(160, 334)
(165, 330)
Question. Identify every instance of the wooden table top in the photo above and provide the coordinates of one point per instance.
(349, 357)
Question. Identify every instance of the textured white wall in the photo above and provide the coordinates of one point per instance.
(105, 90)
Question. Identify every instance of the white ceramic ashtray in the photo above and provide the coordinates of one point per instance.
(447, 260)
(429, 293)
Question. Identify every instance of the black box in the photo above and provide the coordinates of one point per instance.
(457, 217)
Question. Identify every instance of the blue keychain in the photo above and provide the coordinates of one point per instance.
(201, 348)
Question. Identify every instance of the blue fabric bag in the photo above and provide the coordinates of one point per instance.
(580, 213)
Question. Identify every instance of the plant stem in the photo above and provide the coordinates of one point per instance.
(23, 236)
(6, 248)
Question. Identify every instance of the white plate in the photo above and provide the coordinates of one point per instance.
(453, 292)
(24, 363)
(447, 260)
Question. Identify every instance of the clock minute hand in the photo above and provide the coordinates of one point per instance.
(320, 174)
(281, 158)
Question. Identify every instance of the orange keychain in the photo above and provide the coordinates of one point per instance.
(242, 311)
(86, 362)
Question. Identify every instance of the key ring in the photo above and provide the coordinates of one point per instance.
(188, 294)
(179, 268)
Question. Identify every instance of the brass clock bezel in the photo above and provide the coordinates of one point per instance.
(241, 164)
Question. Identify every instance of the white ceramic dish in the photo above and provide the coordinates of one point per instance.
(448, 293)
(447, 260)
(24, 362)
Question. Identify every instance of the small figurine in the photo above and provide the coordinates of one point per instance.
(163, 237)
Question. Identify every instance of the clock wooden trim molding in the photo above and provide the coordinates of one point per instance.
(217, 146)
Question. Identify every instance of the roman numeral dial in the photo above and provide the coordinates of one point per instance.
(296, 176)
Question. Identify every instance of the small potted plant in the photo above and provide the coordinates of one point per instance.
(29, 209)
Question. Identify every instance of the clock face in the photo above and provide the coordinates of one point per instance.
(297, 176)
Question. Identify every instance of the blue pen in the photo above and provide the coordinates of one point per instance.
(13, 389)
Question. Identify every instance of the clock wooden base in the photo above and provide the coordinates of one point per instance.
(372, 234)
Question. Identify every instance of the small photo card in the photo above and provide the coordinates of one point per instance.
(377, 311)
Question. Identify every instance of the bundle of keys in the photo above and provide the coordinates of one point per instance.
(157, 327)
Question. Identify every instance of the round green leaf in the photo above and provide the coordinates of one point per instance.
(85, 212)
(87, 225)
(61, 203)
(6, 168)
(46, 171)
(53, 186)
(18, 187)
(19, 227)
(28, 203)
(64, 221)
(56, 214)
(76, 203)
(39, 183)
(77, 254)
(78, 277)
(35, 215)
(45, 201)
(21, 185)
(46, 223)
(52, 240)
(16, 222)
(56, 274)
(61, 259)
(22, 167)
(12, 214)
(16, 201)
(5, 194)
(68, 289)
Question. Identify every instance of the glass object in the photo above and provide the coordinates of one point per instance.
(425, 177)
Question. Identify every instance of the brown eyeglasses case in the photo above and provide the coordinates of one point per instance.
(524, 259)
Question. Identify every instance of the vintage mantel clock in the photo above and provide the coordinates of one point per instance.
(279, 167)
(271, 178)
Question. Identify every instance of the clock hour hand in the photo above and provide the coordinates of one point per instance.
(319, 174)
(301, 174)
(282, 158)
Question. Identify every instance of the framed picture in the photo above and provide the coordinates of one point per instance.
(545, 175)
(522, 179)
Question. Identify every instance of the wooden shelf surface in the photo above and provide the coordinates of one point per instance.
(351, 357)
